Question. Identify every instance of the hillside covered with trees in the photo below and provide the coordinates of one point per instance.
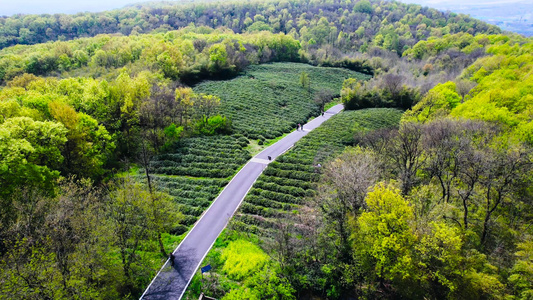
(118, 129)
(348, 24)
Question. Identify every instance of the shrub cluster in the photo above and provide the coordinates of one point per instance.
(213, 157)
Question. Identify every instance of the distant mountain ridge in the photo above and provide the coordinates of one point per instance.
(511, 15)
(359, 21)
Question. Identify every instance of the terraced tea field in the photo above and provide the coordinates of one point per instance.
(209, 156)
(287, 182)
(197, 170)
(265, 102)
(268, 100)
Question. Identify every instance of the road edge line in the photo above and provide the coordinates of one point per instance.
(197, 222)
(227, 222)
(212, 204)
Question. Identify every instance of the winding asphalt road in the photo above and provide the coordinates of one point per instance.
(171, 282)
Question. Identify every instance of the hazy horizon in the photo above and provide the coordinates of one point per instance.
(512, 15)
(12, 7)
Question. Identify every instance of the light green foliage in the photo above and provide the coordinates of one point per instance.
(205, 106)
(170, 62)
(9, 109)
(128, 92)
(46, 279)
(214, 125)
(259, 26)
(88, 144)
(438, 102)
(503, 94)
(172, 134)
(433, 46)
(522, 272)
(241, 258)
(439, 256)
(252, 273)
(384, 234)
(503, 91)
(350, 88)
(218, 56)
(242, 293)
(268, 284)
(30, 152)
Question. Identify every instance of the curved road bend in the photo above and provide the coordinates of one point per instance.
(171, 282)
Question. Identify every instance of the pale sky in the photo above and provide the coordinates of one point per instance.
(10, 7)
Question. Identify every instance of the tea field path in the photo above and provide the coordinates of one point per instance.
(171, 282)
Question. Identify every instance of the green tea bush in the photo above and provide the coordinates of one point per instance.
(279, 100)
(288, 181)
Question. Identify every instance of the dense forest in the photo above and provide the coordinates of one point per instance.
(118, 129)
(353, 24)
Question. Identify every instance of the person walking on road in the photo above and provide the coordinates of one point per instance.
(298, 127)
(172, 257)
(302, 127)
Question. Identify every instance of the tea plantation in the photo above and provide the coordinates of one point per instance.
(264, 102)
(197, 170)
(268, 100)
(286, 182)
(209, 156)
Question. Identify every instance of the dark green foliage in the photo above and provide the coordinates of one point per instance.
(279, 101)
(364, 98)
(363, 6)
(215, 157)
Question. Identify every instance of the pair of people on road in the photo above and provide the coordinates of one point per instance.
(299, 127)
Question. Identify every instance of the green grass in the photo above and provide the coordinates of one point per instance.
(268, 100)
(332, 103)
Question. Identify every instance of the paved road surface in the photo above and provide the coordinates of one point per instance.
(171, 282)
